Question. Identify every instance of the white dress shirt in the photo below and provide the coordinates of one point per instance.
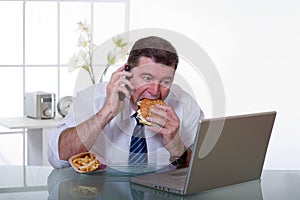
(113, 143)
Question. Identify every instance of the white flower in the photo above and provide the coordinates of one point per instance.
(82, 41)
(84, 27)
(73, 63)
(83, 59)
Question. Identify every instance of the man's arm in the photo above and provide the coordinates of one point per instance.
(82, 137)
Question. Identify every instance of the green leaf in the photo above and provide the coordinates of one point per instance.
(108, 56)
(118, 43)
(86, 67)
(111, 60)
(123, 45)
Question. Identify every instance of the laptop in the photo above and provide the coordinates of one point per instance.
(227, 151)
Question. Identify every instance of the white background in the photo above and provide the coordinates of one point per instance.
(255, 46)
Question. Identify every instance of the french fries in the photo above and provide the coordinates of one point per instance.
(84, 191)
(87, 162)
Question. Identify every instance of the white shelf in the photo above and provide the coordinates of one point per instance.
(25, 122)
(36, 145)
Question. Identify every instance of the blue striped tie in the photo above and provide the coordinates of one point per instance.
(138, 145)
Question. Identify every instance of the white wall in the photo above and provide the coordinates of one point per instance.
(255, 46)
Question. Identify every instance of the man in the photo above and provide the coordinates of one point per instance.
(102, 123)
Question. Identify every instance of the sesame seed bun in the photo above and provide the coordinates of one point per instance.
(144, 107)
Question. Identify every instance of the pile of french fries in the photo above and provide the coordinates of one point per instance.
(86, 163)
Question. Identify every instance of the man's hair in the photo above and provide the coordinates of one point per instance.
(158, 49)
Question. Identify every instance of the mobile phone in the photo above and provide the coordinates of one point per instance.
(121, 94)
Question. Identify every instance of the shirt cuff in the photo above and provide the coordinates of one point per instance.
(53, 155)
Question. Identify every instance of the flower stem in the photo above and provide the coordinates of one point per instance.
(104, 72)
(91, 71)
(90, 50)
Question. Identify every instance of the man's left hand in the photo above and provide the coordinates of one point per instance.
(168, 125)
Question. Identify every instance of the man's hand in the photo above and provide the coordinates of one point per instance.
(169, 123)
(116, 85)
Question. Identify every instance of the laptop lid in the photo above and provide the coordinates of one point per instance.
(229, 150)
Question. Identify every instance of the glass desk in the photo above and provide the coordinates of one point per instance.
(44, 182)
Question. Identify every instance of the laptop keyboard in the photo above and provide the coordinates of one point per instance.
(178, 178)
(178, 173)
(177, 182)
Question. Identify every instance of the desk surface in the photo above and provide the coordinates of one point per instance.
(25, 122)
(36, 182)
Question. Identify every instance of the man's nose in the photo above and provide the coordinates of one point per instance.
(155, 89)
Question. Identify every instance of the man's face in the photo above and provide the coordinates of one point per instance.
(151, 80)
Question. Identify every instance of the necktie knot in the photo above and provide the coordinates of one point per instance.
(137, 120)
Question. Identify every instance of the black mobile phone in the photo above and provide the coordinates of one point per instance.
(121, 94)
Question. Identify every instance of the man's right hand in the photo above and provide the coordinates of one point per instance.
(116, 85)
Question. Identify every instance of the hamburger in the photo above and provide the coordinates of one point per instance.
(143, 111)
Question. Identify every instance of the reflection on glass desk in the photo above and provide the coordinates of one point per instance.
(44, 182)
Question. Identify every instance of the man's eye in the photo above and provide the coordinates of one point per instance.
(165, 83)
(147, 78)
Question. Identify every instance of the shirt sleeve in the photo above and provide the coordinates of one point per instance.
(53, 155)
(82, 109)
(76, 115)
(190, 123)
(189, 113)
